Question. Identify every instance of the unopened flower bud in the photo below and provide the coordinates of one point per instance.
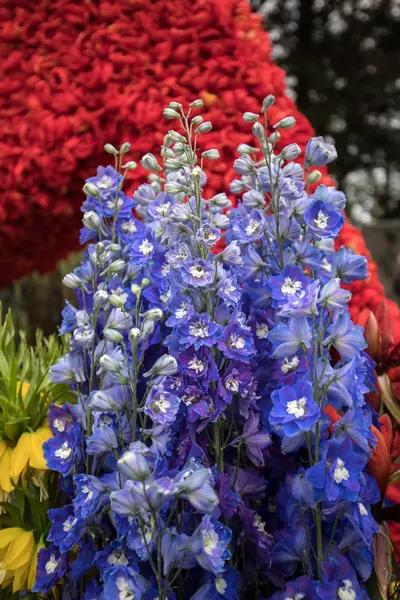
(91, 220)
(134, 466)
(204, 127)
(314, 176)
(258, 130)
(100, 298)
(268, 102)
(136, 289)
(117, 266)
(114, 247)
(72, 281)
(165, 366)
(291, 152)
(286, 123)
(172, 187)
(196, 173)
(274, 137)
(117, 300)
(145, 282)
(246, 149)
(175, 105)
(147, 328)
(154, 314)
(197, 103)
(124, 148)
(130, 165)
(134, 335)
(212, 154)
(250, 117)
(221, 200)
(112, 335)
(90, 190)
(99, 248)
(150, 163)
(221, 221)
(109, 364)
(109, 148)
(237, 186)
(173, 164)
(175, 136)
(170, 113)
(197, 120)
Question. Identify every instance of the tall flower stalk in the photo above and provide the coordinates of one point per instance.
(202, 381)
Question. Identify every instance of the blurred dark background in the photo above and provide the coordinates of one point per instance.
(342, 59)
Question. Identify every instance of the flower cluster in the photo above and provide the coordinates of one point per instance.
(60, 106)
(199, 460)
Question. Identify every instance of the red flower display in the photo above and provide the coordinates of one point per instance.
(76, 75)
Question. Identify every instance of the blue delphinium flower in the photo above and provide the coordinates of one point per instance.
(199, 439)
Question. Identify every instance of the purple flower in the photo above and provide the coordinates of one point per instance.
(199, 331)
(196, 485)
(251, 228)
(220, 587)
(60, 452)
(66, 529)
(288, 339)
(254, 439)
(347, 338)
(319, 153)
(294, 409)
(92, 494)
(303, 303)
(143, 249)
(209, 544)
(51, 566)
(198, 364)
(332, 296)
(114, 555)
(123, 582)
(198, 272)
(302, 588)
(339, 581)
(330, 194)
(349, 266)
(324, 219)
(69, 369)
(60, 418)
(290, 281)
(160, 207)
(228, 499)
(237, 342)
(231, 255)
(208, 236)
(174, 551)
(229, 290)
(337, 475)
(161, 406)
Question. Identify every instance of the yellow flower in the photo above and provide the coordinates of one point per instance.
(5, 460)
(18, 553)
(29, 451)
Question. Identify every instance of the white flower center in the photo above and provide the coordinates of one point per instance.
(123, 588)
(259, 524)
(326, 265)
(69, 523)
(105, 182)
(210, 540)
(197, 271)
(321, 221)
(59, 425)
(340, 473)
(52, 565)
(299, 596)
(196, 365)
(112, 204)
(199, 329)
(86, 490)
(128, 227)
(262, 331)
(146, 248)
(362, 509)
(253, 227)
(165, 297)
(181, 312)
(235, 341)
(161, 405)
(163, 210)
(165, 269)
(64, 452)
(117, 558)
(346, 592)
(290, 287)
(289, 365)
(220, 584)
(232, 384)
(298, 408)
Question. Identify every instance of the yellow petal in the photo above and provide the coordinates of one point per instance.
(20, 551)
(24, 387)
(20, 577)
(33, 566)
(36, 459)
(20, 456)
(9, 535)
(5, 481)
(3, 448)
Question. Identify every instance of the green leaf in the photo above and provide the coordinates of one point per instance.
(14, 513)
